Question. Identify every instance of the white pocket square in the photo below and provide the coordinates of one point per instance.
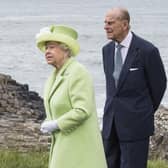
(133, 69)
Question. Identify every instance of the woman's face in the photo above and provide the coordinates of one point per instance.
(54, 54)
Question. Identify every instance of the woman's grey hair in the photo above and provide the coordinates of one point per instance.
(65, 48)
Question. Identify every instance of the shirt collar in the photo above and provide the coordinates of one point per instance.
(127, 40)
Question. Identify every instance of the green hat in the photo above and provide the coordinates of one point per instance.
(58, 33)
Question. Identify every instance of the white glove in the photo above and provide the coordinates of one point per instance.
(49, 126)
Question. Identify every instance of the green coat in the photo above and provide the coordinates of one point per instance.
(69, 98)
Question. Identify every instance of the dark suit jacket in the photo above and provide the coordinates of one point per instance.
(141, 86)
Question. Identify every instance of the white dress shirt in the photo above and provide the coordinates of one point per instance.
(126, 44)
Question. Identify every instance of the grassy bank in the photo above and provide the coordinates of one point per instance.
(157, 164)
(40, 160)
(23, 160)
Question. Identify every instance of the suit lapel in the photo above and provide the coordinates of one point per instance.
(132, 53)
(110, 59)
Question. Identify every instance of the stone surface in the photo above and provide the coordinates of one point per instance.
(159, 142)
(22, 111)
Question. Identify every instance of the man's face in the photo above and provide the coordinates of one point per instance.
(114, 26)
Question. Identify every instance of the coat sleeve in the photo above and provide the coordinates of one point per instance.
(156, 77)
(81, 97)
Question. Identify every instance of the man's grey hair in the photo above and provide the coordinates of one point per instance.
(124, 14)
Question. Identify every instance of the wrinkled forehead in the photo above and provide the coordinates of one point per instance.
(111, 19)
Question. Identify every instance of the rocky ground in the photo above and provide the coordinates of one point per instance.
(22, 111)
(159, 142)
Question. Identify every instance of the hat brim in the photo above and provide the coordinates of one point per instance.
(70, 42)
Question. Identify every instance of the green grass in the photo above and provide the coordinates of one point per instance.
(11, 159)
(157, 164)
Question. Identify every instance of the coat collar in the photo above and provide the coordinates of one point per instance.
(56, 78)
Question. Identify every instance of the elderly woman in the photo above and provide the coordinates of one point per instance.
(70, 104)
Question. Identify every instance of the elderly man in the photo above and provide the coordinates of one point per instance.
(135, 85)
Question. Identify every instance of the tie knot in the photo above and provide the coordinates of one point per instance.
(119, 46)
